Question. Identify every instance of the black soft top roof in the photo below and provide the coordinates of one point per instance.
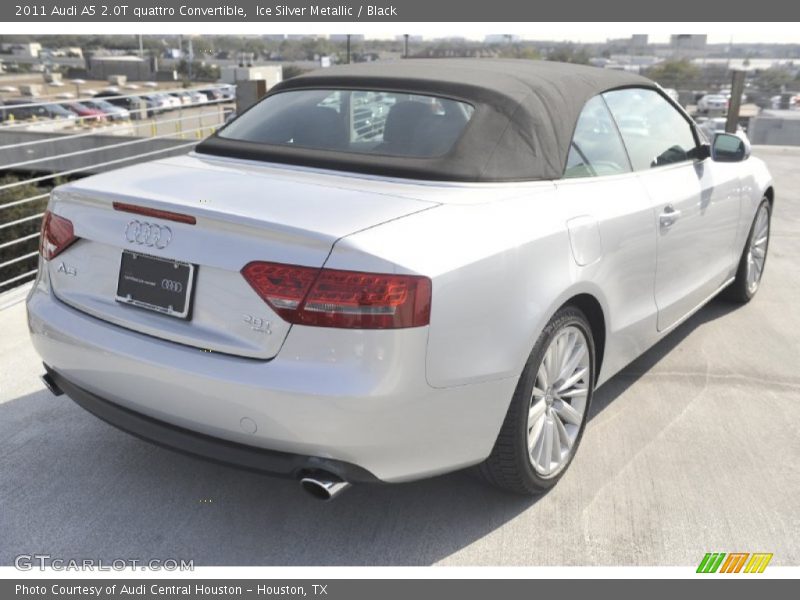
(525, 115)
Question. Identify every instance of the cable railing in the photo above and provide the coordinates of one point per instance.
(136, 94)
(74, 136)
(25, 163)
(151, 104)
(27, 180)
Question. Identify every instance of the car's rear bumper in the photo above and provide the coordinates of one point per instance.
(279, 464)
(355, 397)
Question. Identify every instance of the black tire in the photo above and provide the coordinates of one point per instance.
(509, 466)
(739, 291)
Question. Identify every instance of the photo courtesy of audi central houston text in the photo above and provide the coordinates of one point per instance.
(385, 272)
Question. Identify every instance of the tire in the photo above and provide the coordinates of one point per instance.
(748, 273)
(511, 466)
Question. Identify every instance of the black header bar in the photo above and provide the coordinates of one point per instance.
(397, 11)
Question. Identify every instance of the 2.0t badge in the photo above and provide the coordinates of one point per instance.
(148, 234)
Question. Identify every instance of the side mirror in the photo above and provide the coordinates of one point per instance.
(728, 147)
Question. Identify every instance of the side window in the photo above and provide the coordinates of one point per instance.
(596, 148)
(655, 133)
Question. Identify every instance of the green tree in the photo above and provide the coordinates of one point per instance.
(570, 54)
(674, 73)
(772, 81)
(518, 51)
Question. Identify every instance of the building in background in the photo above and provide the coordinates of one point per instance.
(688, 45)
(131, 67)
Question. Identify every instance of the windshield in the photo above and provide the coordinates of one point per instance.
(364, 121)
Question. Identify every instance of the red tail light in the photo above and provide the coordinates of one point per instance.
(57, 235)
(345, 299)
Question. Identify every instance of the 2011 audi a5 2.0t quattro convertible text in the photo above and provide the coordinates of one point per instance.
(386, 272)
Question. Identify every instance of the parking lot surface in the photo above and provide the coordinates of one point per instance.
(693, 448)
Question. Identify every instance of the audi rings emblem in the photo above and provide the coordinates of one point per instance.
(171, 285)
(148, 234)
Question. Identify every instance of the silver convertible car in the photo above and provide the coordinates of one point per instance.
(385, 272)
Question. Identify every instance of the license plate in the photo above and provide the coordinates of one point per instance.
(157, 284)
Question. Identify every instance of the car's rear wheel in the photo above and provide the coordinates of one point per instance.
(753, 259)
(547, 415)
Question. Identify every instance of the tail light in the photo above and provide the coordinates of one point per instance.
(57, 235)
(344, 299)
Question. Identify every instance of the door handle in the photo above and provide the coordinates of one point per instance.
(668, 216)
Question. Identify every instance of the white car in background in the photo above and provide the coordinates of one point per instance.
(713, 103)
(197, 97)
(302, 299)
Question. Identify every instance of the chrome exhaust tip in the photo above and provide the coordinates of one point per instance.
(51, 385)
(323, 487)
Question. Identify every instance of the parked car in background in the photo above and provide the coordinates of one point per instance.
(212, 94)
(111, 111)
(169, 100)
(228, 91)
(185, 98)
(86, 114)
(130, 103)
(712, 103)
(23, 109)
(197, 97)
(727, 93)
(447, 292)
(156, 104)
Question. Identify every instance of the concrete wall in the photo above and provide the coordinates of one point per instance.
(134, 70)
(775, 130)
(272, 74)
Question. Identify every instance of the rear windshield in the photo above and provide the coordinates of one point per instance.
(363, 121)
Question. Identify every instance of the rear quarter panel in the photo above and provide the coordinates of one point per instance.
(496, 269)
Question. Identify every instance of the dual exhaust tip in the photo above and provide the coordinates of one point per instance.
(321, 485)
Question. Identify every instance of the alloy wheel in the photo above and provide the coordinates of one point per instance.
(558, 401)
(757, 252)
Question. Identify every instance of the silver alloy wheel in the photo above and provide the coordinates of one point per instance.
(558, 402)
(757, 252)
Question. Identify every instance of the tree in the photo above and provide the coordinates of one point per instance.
(290, 71)
(674, 73)
(570, 54)
(518, 51)
(772, 81)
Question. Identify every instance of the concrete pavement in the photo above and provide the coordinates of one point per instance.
(693, 448)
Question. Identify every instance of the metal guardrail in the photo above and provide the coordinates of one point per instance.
(12, 123)
(31, 147)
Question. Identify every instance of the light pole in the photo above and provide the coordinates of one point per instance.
(78, 83)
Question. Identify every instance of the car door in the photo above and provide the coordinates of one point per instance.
(695, 201)
(611, 231)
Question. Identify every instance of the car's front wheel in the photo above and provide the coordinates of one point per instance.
(753, 258)
(548, 411)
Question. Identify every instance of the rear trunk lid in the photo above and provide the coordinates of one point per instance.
(242, 213)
